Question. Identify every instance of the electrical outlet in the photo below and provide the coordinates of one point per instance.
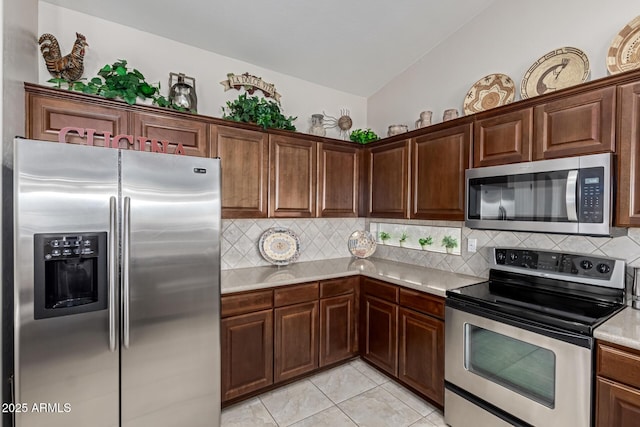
(471, 245)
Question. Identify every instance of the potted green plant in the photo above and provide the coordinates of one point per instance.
(403, 238)
(384, 236)
(425, 241)
(363, 136)
(254, 109)
(449, 243)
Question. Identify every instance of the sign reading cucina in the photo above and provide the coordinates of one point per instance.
(141, 143)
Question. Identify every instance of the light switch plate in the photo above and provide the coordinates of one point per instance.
(471, 245)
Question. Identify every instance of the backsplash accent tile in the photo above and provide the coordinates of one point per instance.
(320, 238)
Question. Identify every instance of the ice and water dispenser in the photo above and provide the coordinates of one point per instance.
(70, 273)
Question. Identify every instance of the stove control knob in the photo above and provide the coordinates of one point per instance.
(586, 264)
(501, 257)
(603, 268)
(513, 256)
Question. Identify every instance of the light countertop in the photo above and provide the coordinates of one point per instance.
(423, 279)
(622, 329)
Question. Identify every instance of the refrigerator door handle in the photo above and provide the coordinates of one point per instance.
(125, 271)
(113, 271)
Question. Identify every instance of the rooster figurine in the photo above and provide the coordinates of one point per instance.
(69, 67)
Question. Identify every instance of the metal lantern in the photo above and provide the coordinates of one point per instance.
(183, 91)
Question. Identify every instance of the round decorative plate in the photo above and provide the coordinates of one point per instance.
(489, 92)
(361, 244)
(279, 246)
(556, 70)
(624, 52)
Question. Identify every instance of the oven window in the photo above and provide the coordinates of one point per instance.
(520, 366)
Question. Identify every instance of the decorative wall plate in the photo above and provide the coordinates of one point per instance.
(279, 246)
(489, 92)
(361, 244)
(624, 52)
(558, 69)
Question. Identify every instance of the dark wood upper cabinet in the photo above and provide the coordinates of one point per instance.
(388, 180)
(244, 158)
(439, 161)
(189, 132)
(506, 138)
(574, 125)
(292, 188)
(628, 190)
(338, 180)
(46, 116)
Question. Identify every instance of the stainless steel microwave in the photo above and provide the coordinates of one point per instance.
(569, 196)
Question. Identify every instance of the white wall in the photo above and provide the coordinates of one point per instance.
(156, 57)
(505, 38)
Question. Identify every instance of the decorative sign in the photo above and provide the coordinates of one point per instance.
(250, 84)
(140, 143)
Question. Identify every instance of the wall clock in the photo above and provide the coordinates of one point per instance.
(556, 70)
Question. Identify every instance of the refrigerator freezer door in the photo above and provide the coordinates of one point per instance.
(171, 366)
(66, 373)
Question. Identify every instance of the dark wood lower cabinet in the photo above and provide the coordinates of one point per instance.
(380, 327)
(296, 340)
(618, 405)
(337, 329)
(421, 353)
(246, 353)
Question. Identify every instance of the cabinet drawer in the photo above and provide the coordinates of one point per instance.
(233, 305)
(295, 294)
(335, 287)
(380, 290)
(420, 301)
(618, 363)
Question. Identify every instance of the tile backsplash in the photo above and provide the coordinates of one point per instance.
(320, 239)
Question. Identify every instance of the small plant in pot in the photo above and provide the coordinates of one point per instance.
(449, 243)
(425, 241)
(403, 238)
(253, 109)
(363, 136)
(384, 236)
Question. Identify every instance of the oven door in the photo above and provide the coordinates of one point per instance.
(532, 377)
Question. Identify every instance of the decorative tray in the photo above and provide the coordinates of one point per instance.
(361, 244)
(279, 246)
(558, 69)
(624, 52)
(489, 92)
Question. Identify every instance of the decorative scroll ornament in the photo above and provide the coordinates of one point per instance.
(250, 84)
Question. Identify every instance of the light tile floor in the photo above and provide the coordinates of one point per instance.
(353, 394)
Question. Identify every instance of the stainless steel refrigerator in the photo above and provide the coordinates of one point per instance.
(117, 279)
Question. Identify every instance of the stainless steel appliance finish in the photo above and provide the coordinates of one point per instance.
(151, 358)
(570, 195)
(519, 347)
(635, 291)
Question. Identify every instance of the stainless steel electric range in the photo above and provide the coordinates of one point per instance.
(519, 347)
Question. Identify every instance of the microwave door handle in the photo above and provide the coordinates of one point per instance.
(125, 271)
(570, 196)
(113, 272)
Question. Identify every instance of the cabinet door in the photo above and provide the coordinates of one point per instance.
(576, 125)
(189, 132)
(379, 338)
(296, 340)
(628, 192)
(292, 189)
(337, 329)
(388, 180)
(338, 176)
(421, 353)
(244, 157)
(246, 353)
(47, 116)
(617, 404)
(503, 139)
(439, 161)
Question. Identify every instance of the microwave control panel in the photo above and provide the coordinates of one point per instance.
(591, 195)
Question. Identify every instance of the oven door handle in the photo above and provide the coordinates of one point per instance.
(571, 196)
